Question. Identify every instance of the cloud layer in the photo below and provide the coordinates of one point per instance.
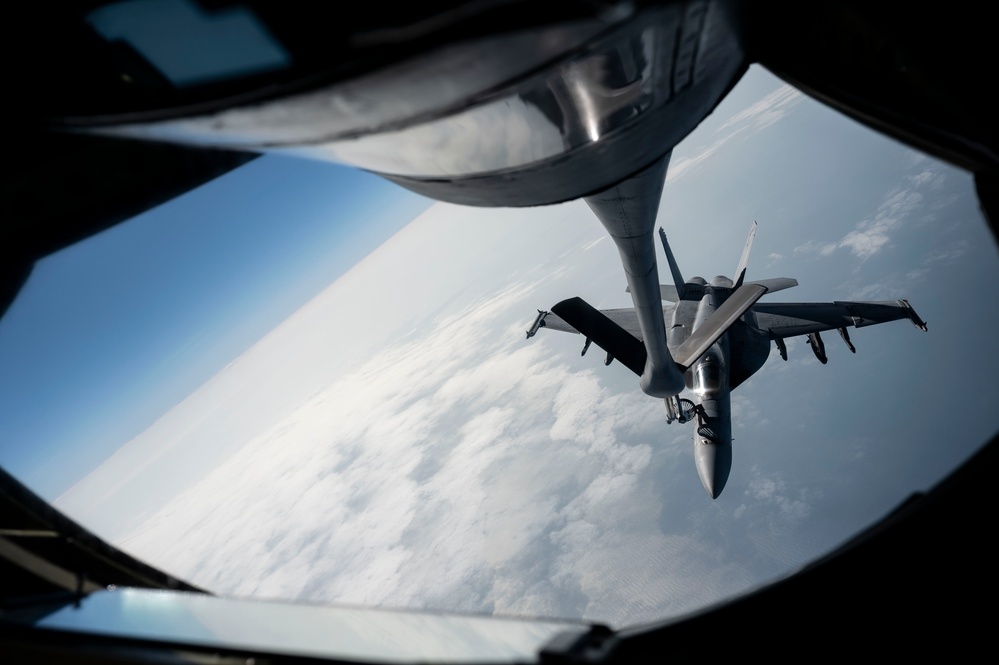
(464, 470)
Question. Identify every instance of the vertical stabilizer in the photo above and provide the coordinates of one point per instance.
(678, 280)
(740, 272)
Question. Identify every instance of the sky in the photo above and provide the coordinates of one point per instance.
(329, 397)
(110, 333)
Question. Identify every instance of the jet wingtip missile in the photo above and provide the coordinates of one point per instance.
(539, 322)
(916, 320)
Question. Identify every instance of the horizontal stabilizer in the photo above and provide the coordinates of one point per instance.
(606, 334)
(776, 283)
(715, 325)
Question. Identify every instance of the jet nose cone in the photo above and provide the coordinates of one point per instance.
(714, 462)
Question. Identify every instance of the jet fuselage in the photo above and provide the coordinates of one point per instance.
(713, 376)
(708, 380)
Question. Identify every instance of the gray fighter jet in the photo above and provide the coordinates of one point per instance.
(718, 334)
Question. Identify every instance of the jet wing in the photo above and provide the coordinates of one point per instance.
(783, 320)
(605, 333)
(625, 318)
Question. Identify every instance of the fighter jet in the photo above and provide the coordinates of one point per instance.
(718, 334)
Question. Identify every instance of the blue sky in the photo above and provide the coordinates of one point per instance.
(110, 333)
(329, 397)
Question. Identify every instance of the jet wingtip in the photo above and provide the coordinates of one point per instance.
(539, 322)
(915, 318)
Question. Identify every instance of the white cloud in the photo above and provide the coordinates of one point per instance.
(948, 254)
(752, 119)
(873, 235)
(766, 111)
(898, 284)
(928, 178)
(791, 505)
(464, 469)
